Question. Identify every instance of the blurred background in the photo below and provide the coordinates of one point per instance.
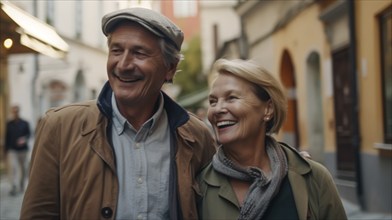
(333, 57)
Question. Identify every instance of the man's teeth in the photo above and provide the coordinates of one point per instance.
(126, 80)
(225, 123)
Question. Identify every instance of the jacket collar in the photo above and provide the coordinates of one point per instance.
(104, 100)
(177, 115)
(296, 163)
(298, 167)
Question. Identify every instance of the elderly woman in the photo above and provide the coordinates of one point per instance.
(252, 176)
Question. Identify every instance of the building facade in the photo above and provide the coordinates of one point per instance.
(38, 80)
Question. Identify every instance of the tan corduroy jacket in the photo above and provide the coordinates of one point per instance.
(73, 170)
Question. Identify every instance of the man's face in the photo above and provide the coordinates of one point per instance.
(15, 111)
(135, 65)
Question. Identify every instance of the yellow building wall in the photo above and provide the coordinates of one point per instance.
(306, 34)
(302, 36)
(369, 72)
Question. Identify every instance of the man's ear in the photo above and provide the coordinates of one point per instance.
(172, 69)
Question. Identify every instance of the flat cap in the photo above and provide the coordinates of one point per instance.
(151, 20)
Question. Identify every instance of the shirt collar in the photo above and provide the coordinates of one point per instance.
(120, 122)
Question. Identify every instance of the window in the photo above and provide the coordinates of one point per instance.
(50, 12)
(78, 19)
(386, 68)
(185, 8)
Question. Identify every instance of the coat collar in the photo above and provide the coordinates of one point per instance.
(177, 115)
(296, 162)
(298, 168)
(215, 179)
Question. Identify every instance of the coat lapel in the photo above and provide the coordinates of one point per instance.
(298, 168)
(300, 192)
(95, 126)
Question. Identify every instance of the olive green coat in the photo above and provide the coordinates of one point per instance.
(315, 193)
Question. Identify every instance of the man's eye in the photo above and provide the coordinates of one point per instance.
(140, 54)
(115, 50)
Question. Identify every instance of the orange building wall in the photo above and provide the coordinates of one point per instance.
(189, 25)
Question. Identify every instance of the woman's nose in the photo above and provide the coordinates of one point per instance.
(220, 107)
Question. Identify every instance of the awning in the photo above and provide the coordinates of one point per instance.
(28, 33)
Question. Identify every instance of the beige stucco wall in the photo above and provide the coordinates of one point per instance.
(301, 37)
(292, 38)
(222, 14)
(369, 73)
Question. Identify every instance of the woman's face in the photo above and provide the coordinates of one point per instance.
(235, 112)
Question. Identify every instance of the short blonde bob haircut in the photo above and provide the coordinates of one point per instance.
(265, 86)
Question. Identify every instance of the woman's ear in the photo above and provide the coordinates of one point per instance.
(268, 111)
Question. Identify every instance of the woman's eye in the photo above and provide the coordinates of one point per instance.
(232, 97)
(212, 102)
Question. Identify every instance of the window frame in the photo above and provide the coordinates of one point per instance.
(385, 20)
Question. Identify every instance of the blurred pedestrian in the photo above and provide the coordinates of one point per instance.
(253, 176)
(133, 153)
(16, 149)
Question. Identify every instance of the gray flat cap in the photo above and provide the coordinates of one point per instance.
(151, 20)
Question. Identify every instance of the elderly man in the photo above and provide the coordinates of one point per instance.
(132, 154)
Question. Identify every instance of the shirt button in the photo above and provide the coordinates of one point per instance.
(137, 145)
(107, 212)
(140, 180)
(140, 216)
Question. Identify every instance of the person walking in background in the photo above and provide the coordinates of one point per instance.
(253, 176)
(16, 149)
(132, 154)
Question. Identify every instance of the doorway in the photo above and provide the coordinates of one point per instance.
(287, 75)
(344, 110)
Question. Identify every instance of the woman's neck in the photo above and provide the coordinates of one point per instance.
(249, 155)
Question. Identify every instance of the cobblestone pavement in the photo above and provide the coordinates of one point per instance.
(10, 206)
(354, 213)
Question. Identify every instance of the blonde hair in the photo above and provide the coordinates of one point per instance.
(266, 86)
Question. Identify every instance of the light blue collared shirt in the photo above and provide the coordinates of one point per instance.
(143, 161)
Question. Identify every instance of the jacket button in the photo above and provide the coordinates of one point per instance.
(106, 212)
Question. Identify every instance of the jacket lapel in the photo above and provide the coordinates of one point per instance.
(95, 126)
(301, 196)
(298, 168)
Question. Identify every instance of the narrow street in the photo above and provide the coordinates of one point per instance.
(9, 205)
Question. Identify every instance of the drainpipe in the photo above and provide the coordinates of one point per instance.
(35, 104)
(244, 49)
(355, 139)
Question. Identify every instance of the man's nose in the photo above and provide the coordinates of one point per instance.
(126, 62)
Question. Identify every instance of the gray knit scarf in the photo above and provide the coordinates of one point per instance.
(262, 189)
